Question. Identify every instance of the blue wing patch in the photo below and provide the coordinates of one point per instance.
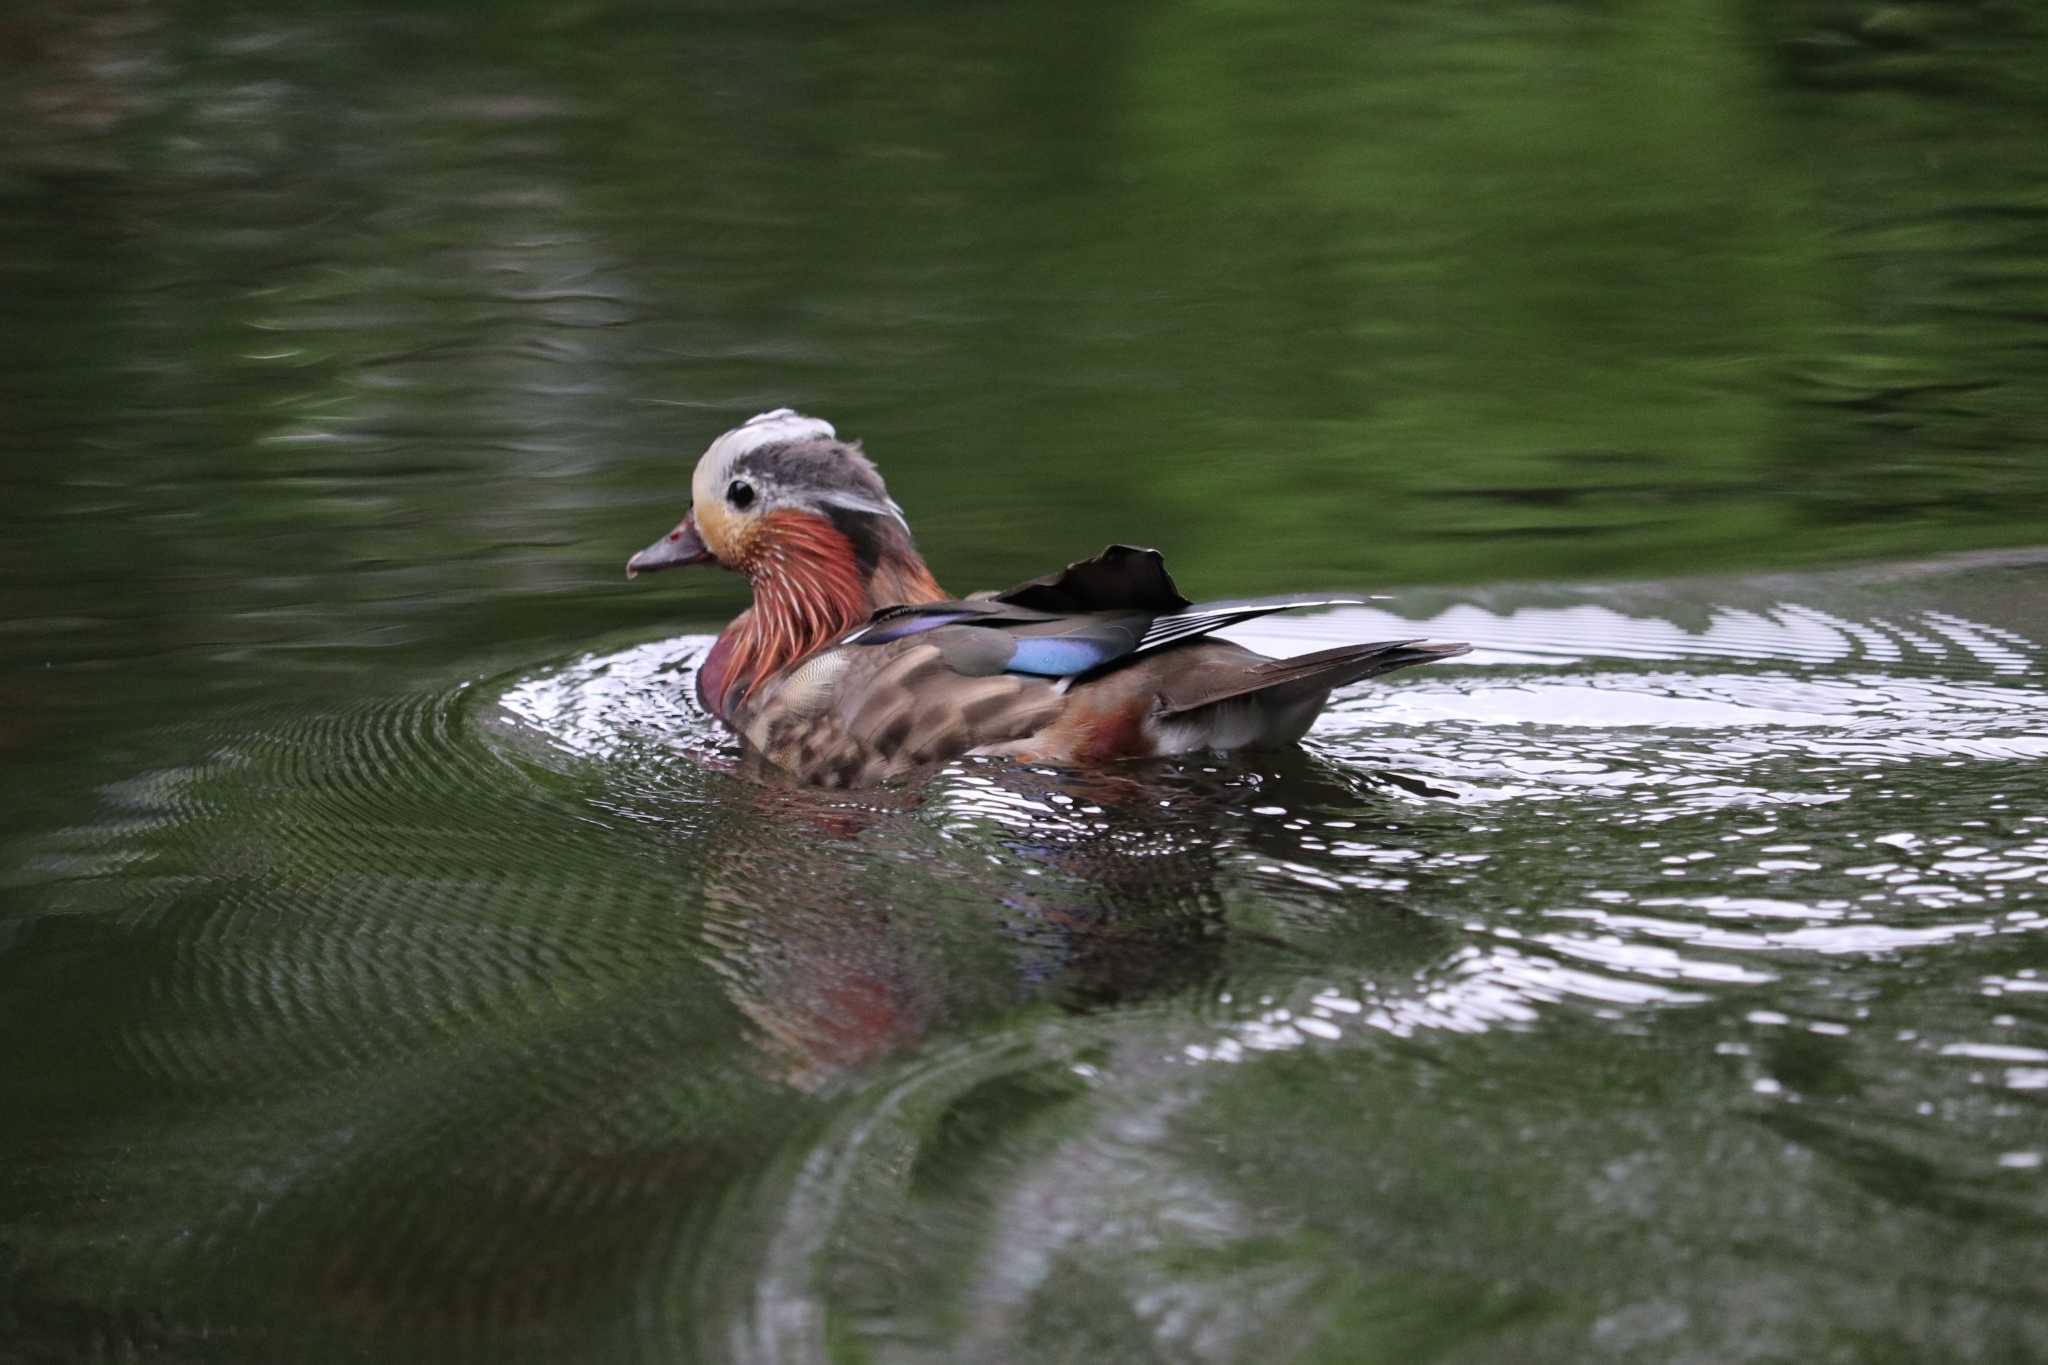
(1062, 656)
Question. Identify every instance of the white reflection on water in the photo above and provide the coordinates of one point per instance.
(1506, 985)
(1995, 1052)
(1474, 990)
(1828, 939)
(605, 706)
(1786, 631)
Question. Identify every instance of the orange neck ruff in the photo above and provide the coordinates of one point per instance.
(809, 589)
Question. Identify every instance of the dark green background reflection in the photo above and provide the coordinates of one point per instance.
(387, 980)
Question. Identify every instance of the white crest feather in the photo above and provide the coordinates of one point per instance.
(779, 427)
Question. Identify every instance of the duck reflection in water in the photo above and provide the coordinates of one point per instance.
(849, 927)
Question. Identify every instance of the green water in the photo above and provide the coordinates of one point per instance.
(398, 969)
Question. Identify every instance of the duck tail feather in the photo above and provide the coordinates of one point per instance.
(1322, 671)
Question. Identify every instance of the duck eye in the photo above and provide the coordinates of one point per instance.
(740, 494)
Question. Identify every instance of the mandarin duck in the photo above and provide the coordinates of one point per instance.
(854, 667)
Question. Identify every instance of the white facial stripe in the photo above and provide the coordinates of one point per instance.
(854, 502)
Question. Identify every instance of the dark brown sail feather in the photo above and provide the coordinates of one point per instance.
(1121, 578)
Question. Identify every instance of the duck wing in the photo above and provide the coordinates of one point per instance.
(1093, 615)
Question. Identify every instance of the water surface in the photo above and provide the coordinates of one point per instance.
(402, 969)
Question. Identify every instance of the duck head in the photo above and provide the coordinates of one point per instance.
(755, 481)
(805, 517)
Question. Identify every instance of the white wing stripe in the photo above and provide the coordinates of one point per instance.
(1199, 621)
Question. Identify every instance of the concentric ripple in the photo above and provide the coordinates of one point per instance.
(503, 1017)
